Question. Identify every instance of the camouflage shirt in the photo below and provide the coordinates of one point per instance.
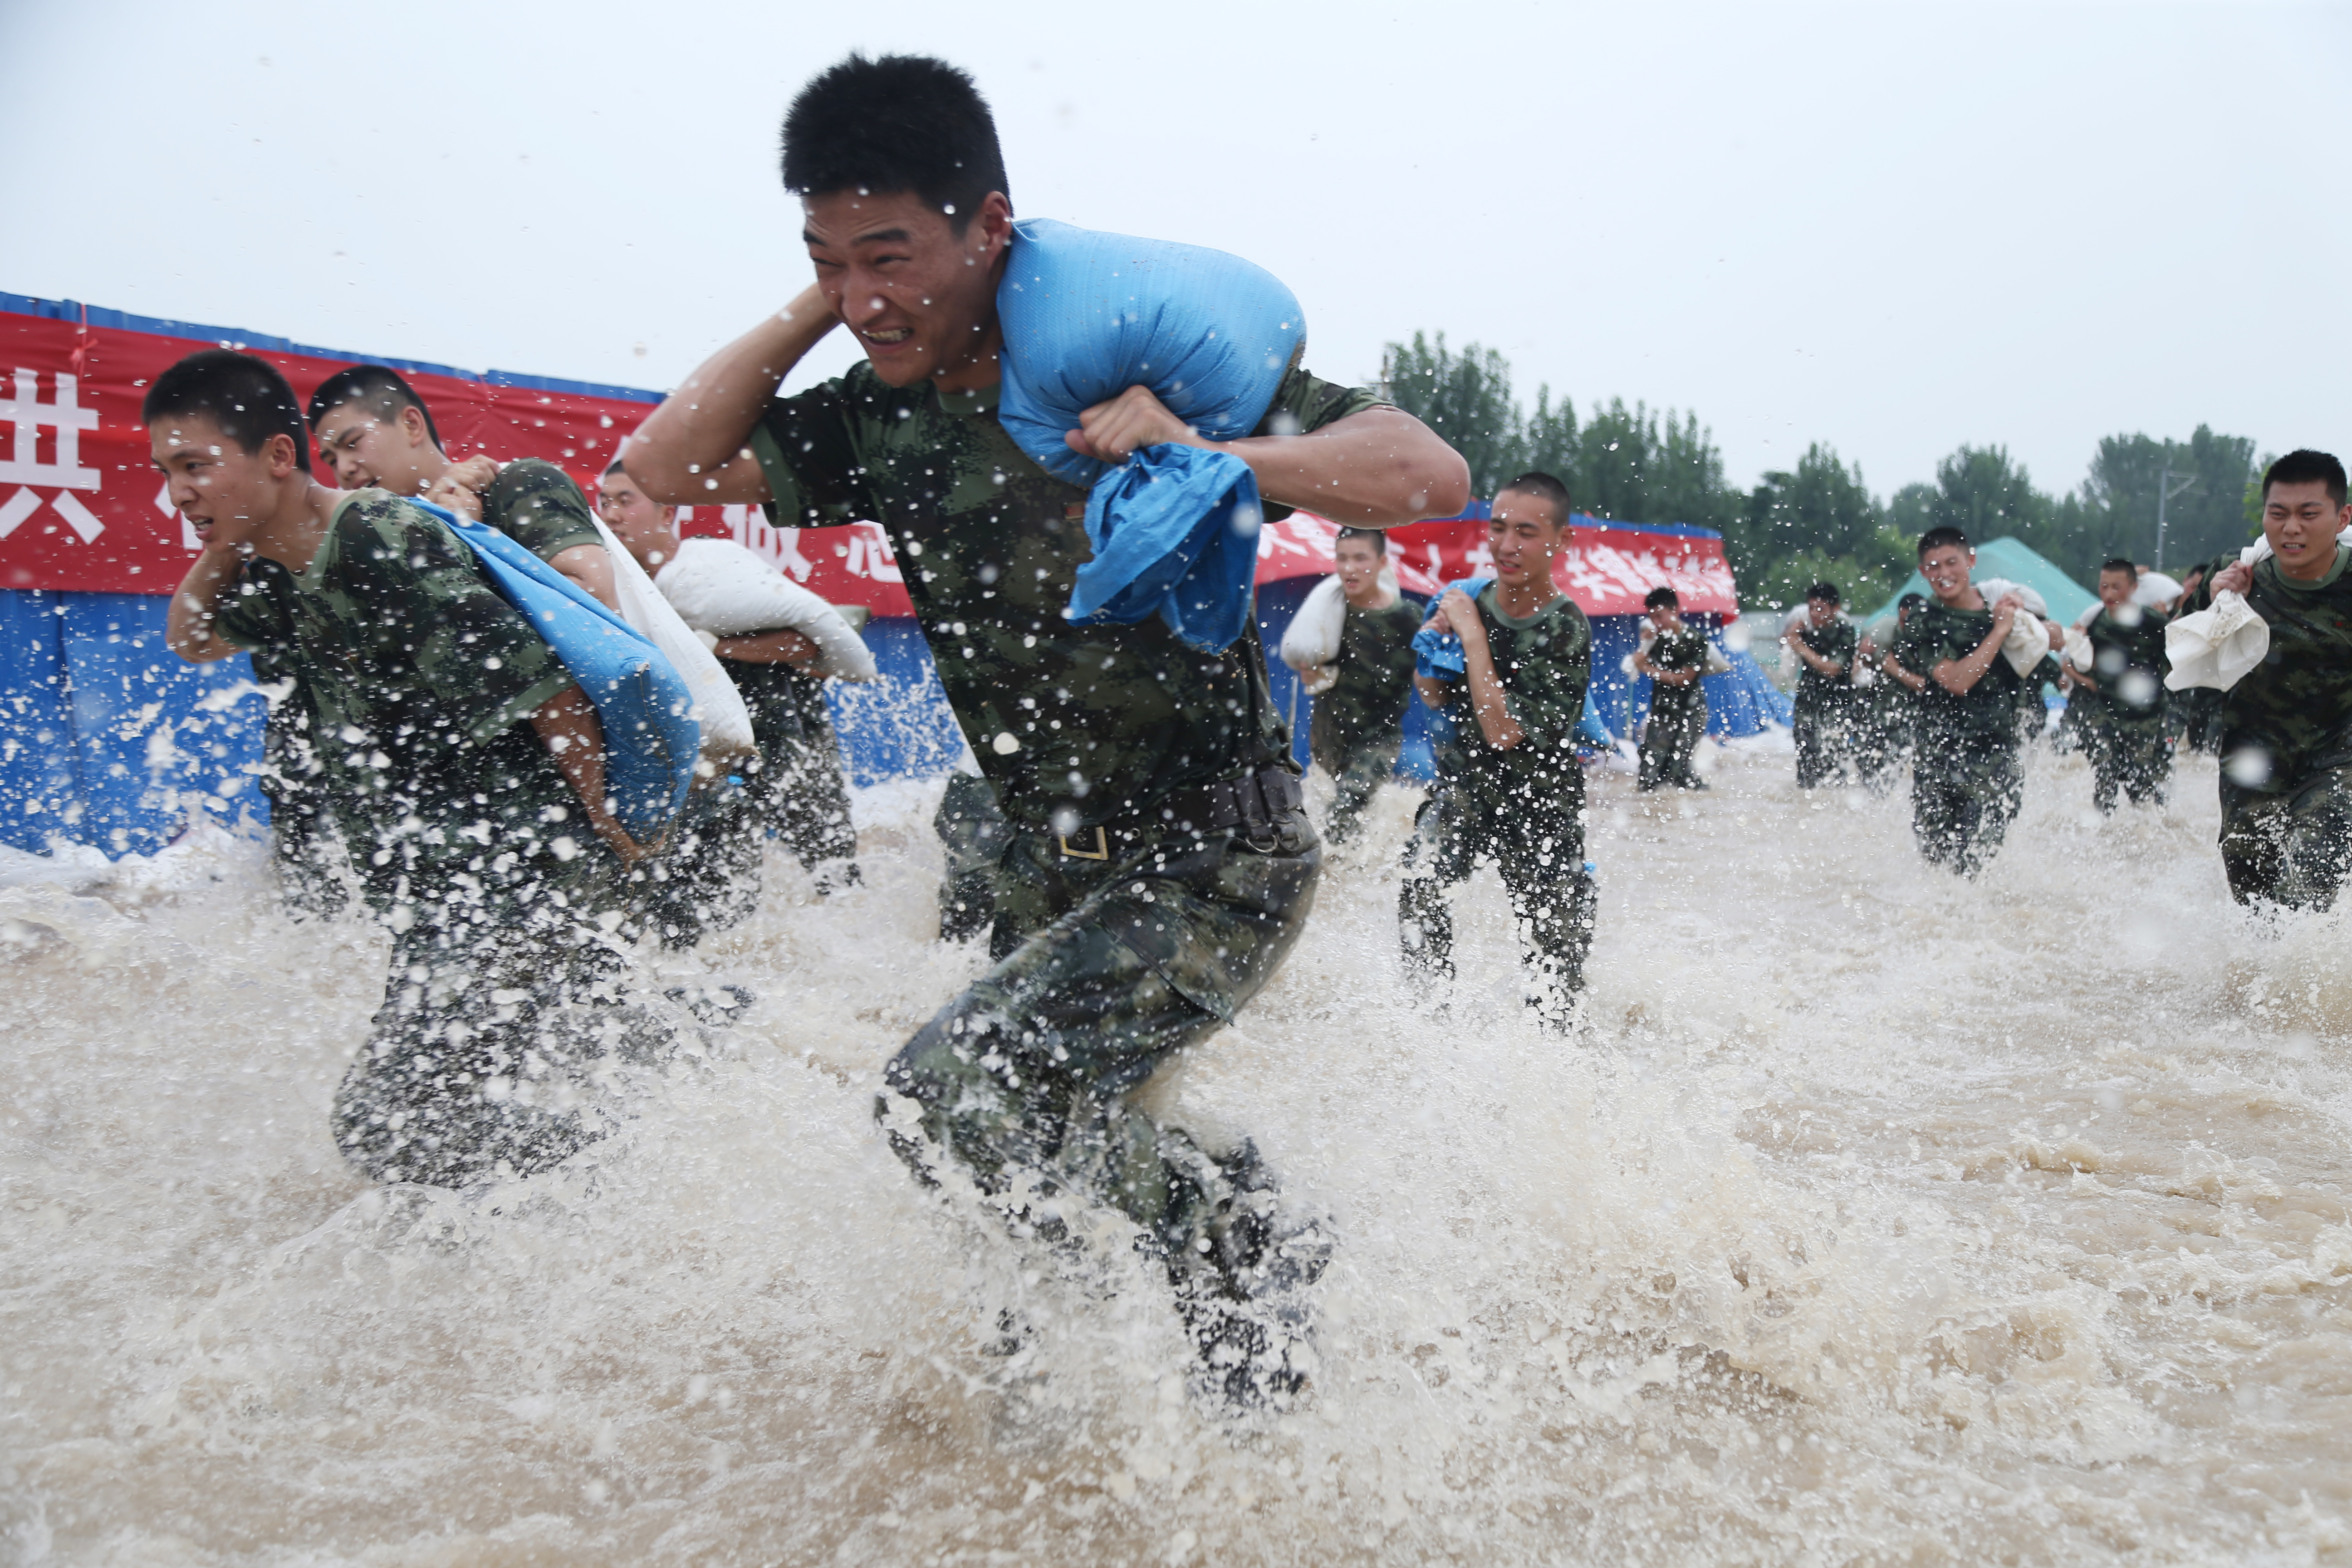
(1835, 641)
(2291, 713)
(2128, 661)
(1544, 662)
(1948, 721)
(535, 503)
(1099, 720)
(419, 681)
(1676, 651)
(1367, 700)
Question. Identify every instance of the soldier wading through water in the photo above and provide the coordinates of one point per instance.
(1161, 864)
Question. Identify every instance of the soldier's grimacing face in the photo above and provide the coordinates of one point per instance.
(1523, 537)
(2302, 521)
(645, 527)
(364, 449)
(921, 297)
(2115, 589)
(1359, 565)
(1946, 568)
(224, 490)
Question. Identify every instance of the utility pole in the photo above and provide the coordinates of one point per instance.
(2164, 491)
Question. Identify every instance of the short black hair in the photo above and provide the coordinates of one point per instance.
(247, 397)
(1662, 598)
(2117, 563)
(379, 386)
(1910, 601)
(2302, 467)
(1936, 538)
(1825, 592)
(1379, 537)
(903, 123)
(614, 467)
(1548, 488)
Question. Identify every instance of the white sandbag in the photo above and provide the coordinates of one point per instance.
(718, 706)
(2155, 589)
(2216, 647)
(2078, 649)
(1716, 663)
(723, 589)
(1310, 645)
(2028, 642)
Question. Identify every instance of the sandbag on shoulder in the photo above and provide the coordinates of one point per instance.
(1311, 644)
(1086, 315)
(717, 586)
(643, 706)
(2028, 643)
(2215, 648)
(718, 706)
(1437, 653)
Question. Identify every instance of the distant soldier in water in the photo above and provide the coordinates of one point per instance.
(2286, 725)
(2196, 714)
(2122, 695)
(1824, 643)
(1675, 662)
(1514, 793)
(1965, 782)
(1885, 718)
(1358, 723)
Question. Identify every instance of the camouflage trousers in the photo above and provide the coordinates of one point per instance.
(2292, 849)
(2130, 758)
(495, 1016)
(1824, 734)
(975, 836)
(1963, 798)
(708, 877)
(1358, 765)
(1669, 740)
(1541, 858)
(1109, 968)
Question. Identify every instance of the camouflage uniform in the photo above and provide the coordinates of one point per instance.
(2123, 719)
(975, 836)
(1522, 808)
(797, 792)
(419, 681)
(1677, 713)
(533, 503)
(1965, 784)
(1825, 708)
(2286, 745)
(2195, 719)
(1358, 724)
(1132, 926)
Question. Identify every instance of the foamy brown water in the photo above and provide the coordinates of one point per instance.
(1879, 1217)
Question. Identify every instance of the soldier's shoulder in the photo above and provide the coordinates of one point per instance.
(532, 475)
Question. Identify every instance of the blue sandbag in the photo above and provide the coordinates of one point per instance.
(651, 737)
(1088, 315)
(1437, 655)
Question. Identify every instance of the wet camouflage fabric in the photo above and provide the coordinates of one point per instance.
(1827, 718)
(1357, 727)
(1107, 719)
(797, 792)
(1965, 784)
(2125, 719)
(974, 836)
(418, 682)
(1522, 808)
(535, 503)
(2286, 745)
(1118, 963)
(1110, 967)
(1827, 693)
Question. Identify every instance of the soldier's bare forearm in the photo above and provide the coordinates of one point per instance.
(188, 623)
(691, 450)
(1377, 469)
(1486, 697)
(568, 725)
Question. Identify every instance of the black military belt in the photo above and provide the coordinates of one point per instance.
(1255, 805)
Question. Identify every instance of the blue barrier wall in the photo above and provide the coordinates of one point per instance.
(107, 739)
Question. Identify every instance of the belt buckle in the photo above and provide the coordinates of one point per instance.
(1102, 851)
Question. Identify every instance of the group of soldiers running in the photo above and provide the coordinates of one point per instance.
(1135, 840)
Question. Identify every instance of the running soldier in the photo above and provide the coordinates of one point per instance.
(2125, 714)
(1358, 723)
(1675, 662)
(1885, 717)
(1824, 643)
(1965, 782)
(2286, 725)
(1162, 864)
(1515, 794)
(465, 763)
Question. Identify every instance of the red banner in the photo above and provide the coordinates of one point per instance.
(83, 509)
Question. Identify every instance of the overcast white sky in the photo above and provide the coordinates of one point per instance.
(1890, 228)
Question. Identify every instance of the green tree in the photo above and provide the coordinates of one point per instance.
(1816, 522)
(2201, 520)
(1549, 444)
(1465, 397)
(1638, 465)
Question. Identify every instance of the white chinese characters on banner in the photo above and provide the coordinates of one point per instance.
(25, 416)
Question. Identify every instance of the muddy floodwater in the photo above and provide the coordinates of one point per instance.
(1876, 1217)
